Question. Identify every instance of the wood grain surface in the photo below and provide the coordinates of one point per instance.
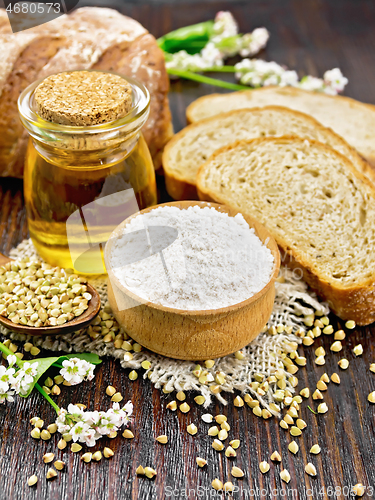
(311, 36)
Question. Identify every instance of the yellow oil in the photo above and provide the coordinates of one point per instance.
(68, 214)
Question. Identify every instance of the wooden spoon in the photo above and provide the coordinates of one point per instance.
(71, 326)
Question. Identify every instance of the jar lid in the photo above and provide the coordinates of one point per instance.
(109, 134)
(83, 98)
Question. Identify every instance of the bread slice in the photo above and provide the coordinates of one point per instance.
(317, 206)
(193, 145)
(353, 120)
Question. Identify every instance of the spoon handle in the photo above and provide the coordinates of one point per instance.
(4, 259)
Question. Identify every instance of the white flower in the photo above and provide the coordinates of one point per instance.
(8, 396)
(6, 374)
(62, 425)
(70, 372)
(6, 384)
(11, 360)
(92, 417)
(335, 79)
(89, 437)
(75, 411)
(211, 56)
(271, 80)
(252, 43)
(89, 426)
(61, 415)
(311, 83)
(111, 418)
(289, 78)
(256, 72)
(104, 427)
(79, 430)
(90, 372)
(224, 26)
(24, 377)
(28, 371)
(77, 370)
(224, 42)
(16, 385)
(128, 408)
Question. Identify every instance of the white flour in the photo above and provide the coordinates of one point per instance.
(216, 260)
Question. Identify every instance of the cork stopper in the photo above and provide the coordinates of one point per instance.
(82, 98)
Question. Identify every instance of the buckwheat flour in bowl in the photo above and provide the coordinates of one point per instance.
(190, 279)
(209, 260)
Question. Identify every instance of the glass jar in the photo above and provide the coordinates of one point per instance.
(81, 182)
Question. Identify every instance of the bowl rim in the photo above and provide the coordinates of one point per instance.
(183, 205)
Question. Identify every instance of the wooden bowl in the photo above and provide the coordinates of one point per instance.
(186, 334)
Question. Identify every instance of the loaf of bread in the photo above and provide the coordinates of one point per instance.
(193, 145)
(353, 120)
(317, 206)
(88, 38)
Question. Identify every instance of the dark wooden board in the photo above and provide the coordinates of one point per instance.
(311, 36)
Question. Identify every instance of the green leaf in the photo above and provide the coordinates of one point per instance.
(190, 38)
(87, 356)
(43, 365)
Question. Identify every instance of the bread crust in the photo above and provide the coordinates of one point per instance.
(158, 129)
(291, 90)
(13, 138)
(87, 38)
(356, 302)
(179, 187)
(190, 110)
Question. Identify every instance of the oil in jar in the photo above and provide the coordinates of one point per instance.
(74, 201)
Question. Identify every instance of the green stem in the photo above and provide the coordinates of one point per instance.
(45, 395)
(8, 352)
(197, 77)
(5, 350)
(222, 69)
(57, 365)
(312, 410)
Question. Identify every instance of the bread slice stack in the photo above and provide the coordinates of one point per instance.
(194, 144)
(317, 205)
(354, 121)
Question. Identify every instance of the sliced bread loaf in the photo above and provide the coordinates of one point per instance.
(318, 207)
(353, 120)
(193, 145)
